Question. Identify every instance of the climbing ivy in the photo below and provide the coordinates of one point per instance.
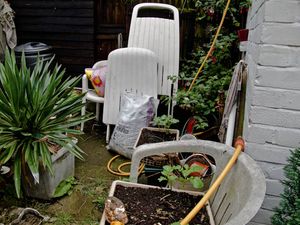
(205, 98)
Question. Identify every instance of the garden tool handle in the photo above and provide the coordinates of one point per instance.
(239, 147)
(239, 141)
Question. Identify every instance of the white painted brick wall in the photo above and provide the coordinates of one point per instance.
(272, 170)
(283, 11)
(272, 119)
(275, 117)
(276, 98)
(268, 134)
(270, 202)
(279, 56)
(275, 77)
(281, 33)
(267, 152)
(263, 217)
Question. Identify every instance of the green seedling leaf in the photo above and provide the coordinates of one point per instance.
(181, 174)
(176, 223)
(160, 179)
(196, 182)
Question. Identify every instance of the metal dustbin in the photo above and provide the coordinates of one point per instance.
(32, 50)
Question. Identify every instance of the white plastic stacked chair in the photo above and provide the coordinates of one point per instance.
(155, 26)
(157, 34)
(91, 94)
(131, 70)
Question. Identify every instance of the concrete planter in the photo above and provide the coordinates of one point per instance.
(63, 164)
(128, 184)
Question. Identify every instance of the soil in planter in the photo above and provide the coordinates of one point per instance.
(151, 136)
(158, 206)
(156, 162)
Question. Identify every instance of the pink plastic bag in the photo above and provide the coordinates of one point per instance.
(97, 77)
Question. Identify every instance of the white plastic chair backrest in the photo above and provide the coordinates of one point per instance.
(160, 35)
(131, 70)
(241, 193)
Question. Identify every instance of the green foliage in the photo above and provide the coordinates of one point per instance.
(100, 201)
(176, 223)
(89, 221)
(64, 218)
(97, 189)
(38, 109)
(164, 121)
(288, 212)
(181, 174)
(215, 77)
(65, 187)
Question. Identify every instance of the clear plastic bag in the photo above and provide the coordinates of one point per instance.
(115, 211)
(136, 112)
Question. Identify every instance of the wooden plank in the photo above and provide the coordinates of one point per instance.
(76, 60)
(110, 29)
(55, 20)
(75, 53)
(54, 4)
(55, 36)
(55, 28)
(72, 45)
(75, 70)
(107, 37)
(68, 26)
(107, 25)
(54, 12)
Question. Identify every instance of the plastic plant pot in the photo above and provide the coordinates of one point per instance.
(243, 35)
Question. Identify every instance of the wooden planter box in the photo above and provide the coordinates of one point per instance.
(63, 165)
(128, 184)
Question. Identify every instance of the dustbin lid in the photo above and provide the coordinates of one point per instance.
(31, 48)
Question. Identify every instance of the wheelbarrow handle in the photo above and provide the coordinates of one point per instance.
(239, 147)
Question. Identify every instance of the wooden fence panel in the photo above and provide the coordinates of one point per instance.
(84, 31)
(113, 17)
(68, 26)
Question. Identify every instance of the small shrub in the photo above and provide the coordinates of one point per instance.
(181, 174)
(38, 110)
(288, 212)
(164, 121)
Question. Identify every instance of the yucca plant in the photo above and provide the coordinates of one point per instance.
(37, 109)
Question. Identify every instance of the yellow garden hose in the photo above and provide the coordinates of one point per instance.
(239, 147)
(120, 172)
(211, 46)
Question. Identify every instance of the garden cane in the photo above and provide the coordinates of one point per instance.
(239, 147)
